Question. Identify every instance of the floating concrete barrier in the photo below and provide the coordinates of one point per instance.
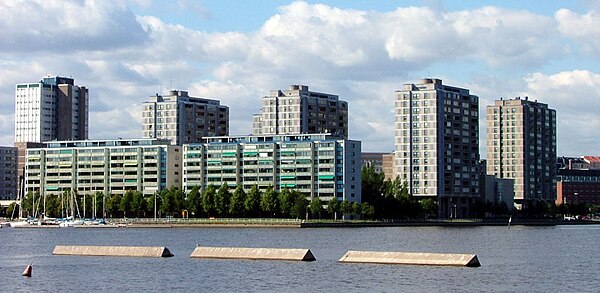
(411, 258)
(136, 251)
(253, 253)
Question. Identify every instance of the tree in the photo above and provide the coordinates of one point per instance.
(113, 204)
(126, 203)
(346, 208)
(300, 204)
(333, 207)
(194, 202)
(167, 204)
(222, 199)
(52, 205)
(367, 210)
(269, 202)
(139, 204)
(286, 202)
(356, 208)
(208, 199)
(429, 207)
(252, 201)
(236, 205)
(372, 183)
(178, 201)
(315, 206)
(11, 209)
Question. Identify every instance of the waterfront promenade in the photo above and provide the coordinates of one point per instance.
(314, 223)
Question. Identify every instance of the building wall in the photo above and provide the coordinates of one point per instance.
(374, 160)
(388, 166)
(8, 173)
(54, 108)
(498, 190)
(437, 144)
(580, 186)
(521, 145)
(184, 119)
(317, 165)
(300, 111)
(107, 166)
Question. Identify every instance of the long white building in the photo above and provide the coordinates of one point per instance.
(107, 166)
(318, 165)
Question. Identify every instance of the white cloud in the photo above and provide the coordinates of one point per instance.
(574, 95)
(584, 28)
(55, 26)
(361, 55)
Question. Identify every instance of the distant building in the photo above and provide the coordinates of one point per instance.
(106, 166)
(184, 119)
(388, 166)
(51, 109)
(521, 145)
(437, 145)
(318, 165)
(374, 160)
(381, 162)
(578, 180)
(8, 173)
(300, 111)
(499, 190)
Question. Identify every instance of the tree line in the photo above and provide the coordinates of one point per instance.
(174, 202)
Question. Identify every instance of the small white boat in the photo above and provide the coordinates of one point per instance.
(71, 223)
(20, 223)
(4, 224)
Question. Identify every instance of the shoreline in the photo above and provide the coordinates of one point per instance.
(320, 224)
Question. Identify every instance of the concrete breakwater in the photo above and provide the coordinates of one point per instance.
(253, 253)
(134, 251)
(411, 258)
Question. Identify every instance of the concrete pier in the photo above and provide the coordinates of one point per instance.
(411, 258)
(134, 251)
(253, 253)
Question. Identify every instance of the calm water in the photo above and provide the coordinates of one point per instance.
(522, 259)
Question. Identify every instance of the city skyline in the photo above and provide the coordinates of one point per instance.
(125, 52)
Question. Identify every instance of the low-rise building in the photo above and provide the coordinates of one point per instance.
(578, 180)
(106, 166)
(318, 165)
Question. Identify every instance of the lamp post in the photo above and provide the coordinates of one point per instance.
(155, 195)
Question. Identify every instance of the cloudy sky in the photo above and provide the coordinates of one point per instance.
(236, 51)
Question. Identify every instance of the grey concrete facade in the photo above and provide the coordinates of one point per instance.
(300, 111)
(521, 145)
(437, 144)
(184, 119)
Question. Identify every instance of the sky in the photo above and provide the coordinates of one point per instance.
(237, 51)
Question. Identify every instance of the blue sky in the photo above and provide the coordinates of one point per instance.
(237, 51)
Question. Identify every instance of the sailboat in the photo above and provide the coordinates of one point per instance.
(20, 197)
(70, 221)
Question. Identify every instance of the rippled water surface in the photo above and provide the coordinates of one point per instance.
(522, 259)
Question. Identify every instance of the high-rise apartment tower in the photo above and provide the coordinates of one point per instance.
(51, 109)
(184, 119)
(437, 145)
(521, 144)
(300, 111)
